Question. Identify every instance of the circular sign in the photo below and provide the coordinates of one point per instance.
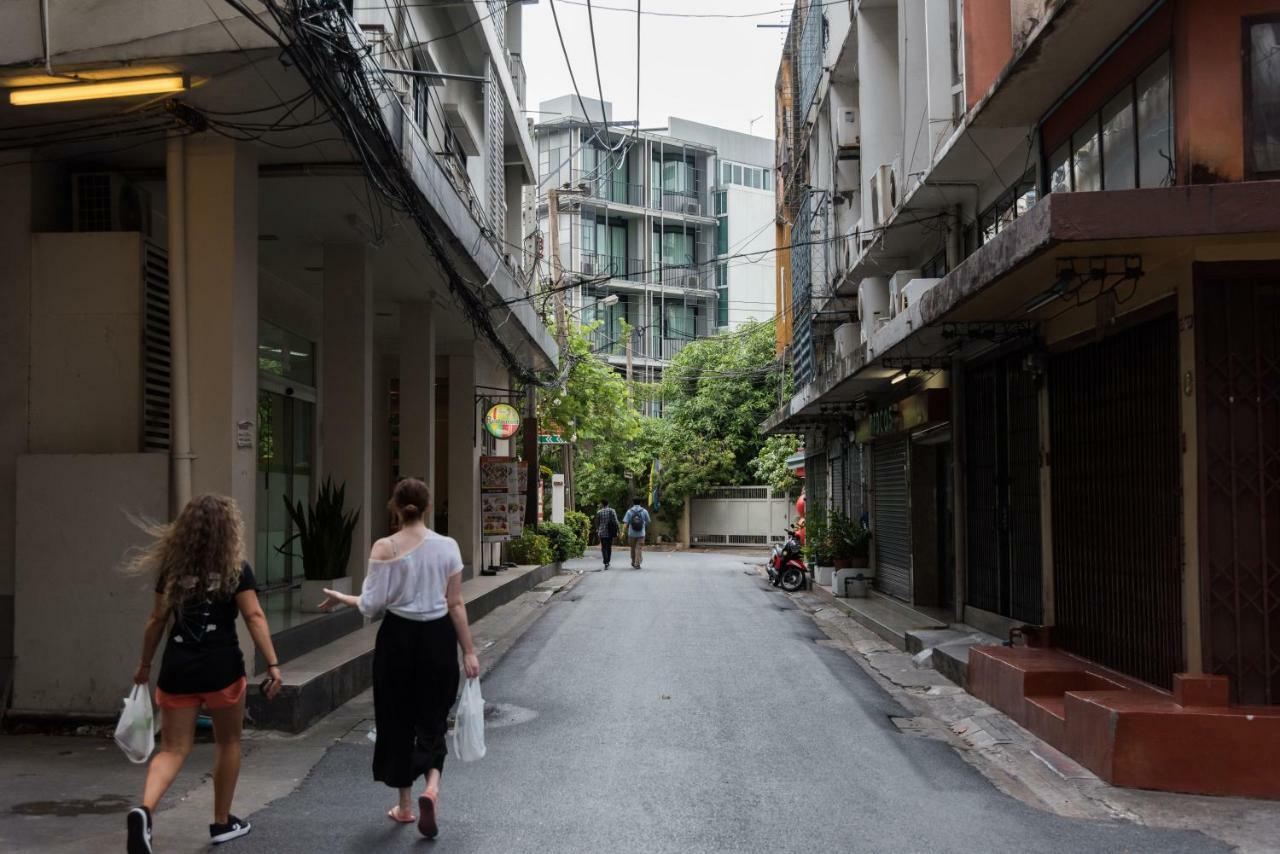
(502, 421)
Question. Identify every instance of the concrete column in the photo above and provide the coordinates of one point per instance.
(346, 388)
(418, 391)
(385, 367)
(15, 354)
(222, 303)
(464, 461)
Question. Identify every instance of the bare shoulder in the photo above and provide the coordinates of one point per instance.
(382, 550)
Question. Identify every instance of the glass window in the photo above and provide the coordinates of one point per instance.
(1263, 108)
(284, 354)
(1118, 154)
(768, 179)
(726, 172)
(1155, 129)
(1060, 170)
(737, 174)
(1086, 165)
(721, 203)
(722, 294)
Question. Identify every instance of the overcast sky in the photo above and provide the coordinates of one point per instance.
(714, 70)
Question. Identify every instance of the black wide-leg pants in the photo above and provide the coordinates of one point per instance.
(415, 684)
(606, 549)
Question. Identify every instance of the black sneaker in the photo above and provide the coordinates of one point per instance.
(233, 829)
(139, 824)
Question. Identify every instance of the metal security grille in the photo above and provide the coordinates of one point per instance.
(838, 495)
(1238, 327)
(853, 462)
(892, 523)
(495, 108)
(156, 353)
(1004, 573)
(812, 43)
(815, 483)
(1115, 430)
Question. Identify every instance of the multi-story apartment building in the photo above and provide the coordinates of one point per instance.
(1029, 301)
(276, 262)
(663, 237)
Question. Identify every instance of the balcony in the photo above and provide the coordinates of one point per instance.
(643, 347)
(616, 266)
(690, 202)
(607, 187)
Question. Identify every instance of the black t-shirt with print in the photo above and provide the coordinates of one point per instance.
(203, 651)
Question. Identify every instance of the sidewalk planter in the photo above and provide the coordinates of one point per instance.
(855, 581)
(313, 592)
(823, 575)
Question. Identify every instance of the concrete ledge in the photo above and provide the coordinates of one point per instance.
(889, 619)
(322, 680)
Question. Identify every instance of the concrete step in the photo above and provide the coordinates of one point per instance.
(950, 649)
(888, 618)
(320, 681)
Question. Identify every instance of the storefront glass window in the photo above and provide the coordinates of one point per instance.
(1118, 153)
(1263, 108)
(1155, 127)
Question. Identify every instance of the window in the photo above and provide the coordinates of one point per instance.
(726, 172)
(1129, 143)
(722, 294)
(955, 11)
(1262, 99)
(1013, 203)
(722, 223)
(768, 179)
(737, 174)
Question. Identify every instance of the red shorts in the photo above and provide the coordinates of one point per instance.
(224, 699)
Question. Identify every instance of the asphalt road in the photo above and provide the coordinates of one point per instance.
(687, 708)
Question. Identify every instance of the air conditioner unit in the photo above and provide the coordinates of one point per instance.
(588, 266)
(848, 129)
(105, 201)
(898, 295)
(692, 281)
(884, 193)
(692, 207)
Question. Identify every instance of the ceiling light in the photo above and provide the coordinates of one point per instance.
(898, 377)
(122, 88)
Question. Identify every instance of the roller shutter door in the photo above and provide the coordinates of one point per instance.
(892, 524)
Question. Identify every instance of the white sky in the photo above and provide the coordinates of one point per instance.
(713, 70)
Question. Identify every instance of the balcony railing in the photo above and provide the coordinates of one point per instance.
(617, 266)
(518, 76)
(643, 347)
(680, 201)
(689, 278)
(607, 187)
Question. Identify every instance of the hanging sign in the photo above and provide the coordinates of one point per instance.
(502, 421)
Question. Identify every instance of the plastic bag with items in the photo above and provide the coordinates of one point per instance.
(136, 731)
(468, 734)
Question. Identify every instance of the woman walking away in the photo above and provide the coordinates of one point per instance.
(202, 581)
(415, 578)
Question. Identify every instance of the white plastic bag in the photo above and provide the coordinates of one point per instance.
(136, 731)
(468, 739)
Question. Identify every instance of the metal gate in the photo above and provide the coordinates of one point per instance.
(1238, 346)
(1115, 428)
(892, 522)
(815, 483)
(839, 497)
(740, 516)
(1002, 429)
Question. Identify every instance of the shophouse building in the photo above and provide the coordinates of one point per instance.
(1029, 302)
(293, 255)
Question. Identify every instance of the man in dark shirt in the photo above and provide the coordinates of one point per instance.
(606, 529)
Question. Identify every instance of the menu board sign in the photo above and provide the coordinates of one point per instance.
(502, 498)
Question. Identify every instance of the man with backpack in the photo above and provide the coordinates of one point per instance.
(636, 521)
(606, 529)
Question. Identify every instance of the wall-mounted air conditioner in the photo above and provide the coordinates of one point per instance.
(898, 290)
(884, 193)
(462, 131)
(588, 266)
(692, 208)
(848, 128)
(692, 281)
(105, 201)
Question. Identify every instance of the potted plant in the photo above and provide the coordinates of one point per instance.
(856, 548)
(323, 532)
(817, 547)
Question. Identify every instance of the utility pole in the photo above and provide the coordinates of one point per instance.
(531, 455)
(557, 272)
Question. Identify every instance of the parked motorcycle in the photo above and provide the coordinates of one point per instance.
(786, 564)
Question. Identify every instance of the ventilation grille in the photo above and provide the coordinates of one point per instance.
(156, 352)
(95, 202)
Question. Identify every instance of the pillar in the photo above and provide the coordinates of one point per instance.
(418, 392)
(464, 460)
(346, 388)
(222, 310)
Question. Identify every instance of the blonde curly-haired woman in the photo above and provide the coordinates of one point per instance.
(202, 583)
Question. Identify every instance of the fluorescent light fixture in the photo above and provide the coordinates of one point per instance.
(898, 377)
(611, 299)
(120, 88)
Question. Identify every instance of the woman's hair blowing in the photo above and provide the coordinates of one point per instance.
(198, 554)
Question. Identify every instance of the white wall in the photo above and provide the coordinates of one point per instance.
(751, 280)
(878, 95)
(78, 618)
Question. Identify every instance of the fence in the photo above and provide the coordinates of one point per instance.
(740, 516)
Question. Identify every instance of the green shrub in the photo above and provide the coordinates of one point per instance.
(580, 522)
(565, 541)
(530, 548)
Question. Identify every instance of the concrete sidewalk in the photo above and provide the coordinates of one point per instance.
(68, 794)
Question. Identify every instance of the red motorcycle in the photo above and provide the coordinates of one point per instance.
(786, 565)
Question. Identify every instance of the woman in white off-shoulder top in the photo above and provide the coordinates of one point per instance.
(415, 580)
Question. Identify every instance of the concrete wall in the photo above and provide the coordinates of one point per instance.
(86, 343)
(988, 45)
(878, 95)
(751, 280)
(79, 619)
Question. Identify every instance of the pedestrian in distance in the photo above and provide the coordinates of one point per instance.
(202, 583)
(415, 579)
(636, 522)
(606, 529)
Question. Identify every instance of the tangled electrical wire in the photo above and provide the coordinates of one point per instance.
(323, 43)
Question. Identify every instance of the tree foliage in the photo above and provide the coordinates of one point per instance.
(770, 464)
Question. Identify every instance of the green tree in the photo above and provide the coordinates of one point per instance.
(770, 464)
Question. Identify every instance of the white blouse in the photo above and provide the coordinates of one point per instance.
(412, 585)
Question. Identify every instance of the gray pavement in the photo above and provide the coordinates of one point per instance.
(688, 708)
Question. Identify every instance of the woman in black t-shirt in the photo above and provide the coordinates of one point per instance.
(202, 582)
